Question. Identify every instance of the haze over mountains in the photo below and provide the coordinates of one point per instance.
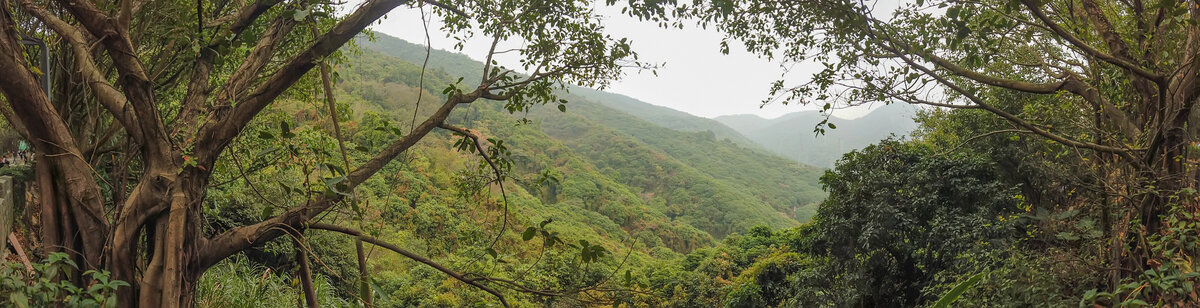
(792, 135)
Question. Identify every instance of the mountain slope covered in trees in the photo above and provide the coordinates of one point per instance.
(720, 157)
(647, 194)
(256, 162)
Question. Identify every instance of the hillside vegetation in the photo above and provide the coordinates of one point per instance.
(645, 193)
(1024, 153)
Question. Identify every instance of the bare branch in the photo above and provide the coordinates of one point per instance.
(247, 15)
(447, 7)
(980, 136)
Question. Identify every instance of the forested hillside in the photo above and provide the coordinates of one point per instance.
(792, 136)
(708, 155)
(267, 153)
(645, 193)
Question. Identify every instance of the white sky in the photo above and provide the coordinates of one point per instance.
(696, 78)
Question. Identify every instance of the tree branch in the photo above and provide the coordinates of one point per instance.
(237, 83)
(411, 255)
(1013, 118)
(1037, 11)
(1116, 45)
(245, 16)
(108, 95)
(133, 78)
(51, 138)
(980, 136)
(1071, 83)
(482, 151)
(223, 124)
(240, 238)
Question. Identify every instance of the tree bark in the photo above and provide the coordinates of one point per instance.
(306, 282)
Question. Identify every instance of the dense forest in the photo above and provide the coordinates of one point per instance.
(269, 153)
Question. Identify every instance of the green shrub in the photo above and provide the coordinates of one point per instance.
(43, 287)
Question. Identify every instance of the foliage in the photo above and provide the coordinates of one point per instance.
(1037, 179)
(898, 214)
(899, 220)
(204, 144)
(42, 286)
(957, 291)
(238, 283)
(613, 132)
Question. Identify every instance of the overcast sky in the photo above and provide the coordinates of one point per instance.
(696, 78)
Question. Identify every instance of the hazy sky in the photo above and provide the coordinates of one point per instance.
(696, 78)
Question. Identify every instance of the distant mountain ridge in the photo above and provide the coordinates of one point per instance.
(792, 136)
(460, 64)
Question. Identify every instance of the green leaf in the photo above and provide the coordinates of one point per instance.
(336, 185)
(953, 12)
(529, 233)
(958, 291)
(267, 212)
(1133, 302)
(562, 108)
(285, 130)
(375, 286)
(300, 14)
(18, 299)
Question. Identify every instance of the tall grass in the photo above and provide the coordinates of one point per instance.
(237, 283)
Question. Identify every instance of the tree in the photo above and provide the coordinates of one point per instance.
(898, 215)
(151, 95)
(1121, 73)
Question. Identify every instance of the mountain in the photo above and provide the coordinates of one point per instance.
(792, 135)
(665, 117)
(647, 187)
(462, 65)
(660, 175)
